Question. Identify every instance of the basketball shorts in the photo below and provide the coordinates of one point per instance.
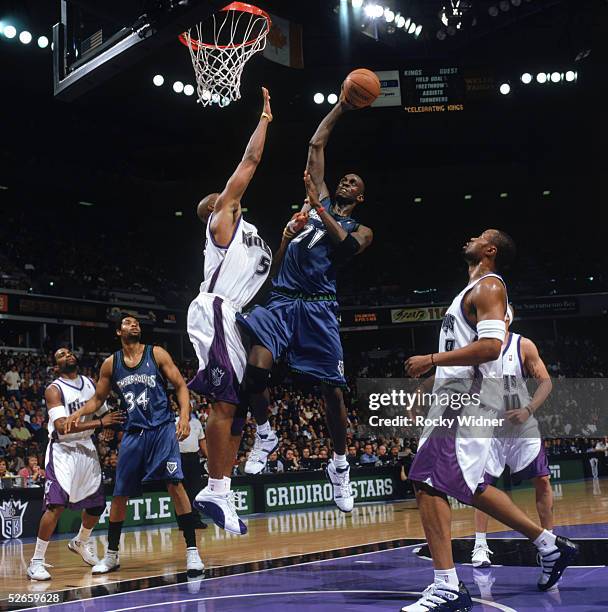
(217, 343)
(73, 475)
(306, 330)
(452, 458)
(147, 454)
(525, 456)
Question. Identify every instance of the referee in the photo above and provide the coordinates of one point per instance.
(190, 451)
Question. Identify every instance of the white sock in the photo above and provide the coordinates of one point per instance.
(83, 534)
(447, 577)
(340, 460)
(545, 542)
(264, 430)
(480, 539)
(219, 485)
(228, 482)
(40, 549)
(111, 553)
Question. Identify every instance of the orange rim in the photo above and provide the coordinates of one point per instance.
(234, 6)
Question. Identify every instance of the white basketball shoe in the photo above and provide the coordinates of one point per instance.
(36, 570)
(481, 556)
(340, 479)
(109, 563)
(220, 507)
(258, 457)
(85, 549)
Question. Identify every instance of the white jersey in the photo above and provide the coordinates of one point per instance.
(74, 394)
(238, 271)
(514, 375)
(457, 332)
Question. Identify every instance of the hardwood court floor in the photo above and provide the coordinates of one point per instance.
(158, 551)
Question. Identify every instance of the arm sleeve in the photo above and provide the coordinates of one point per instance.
(57, 413)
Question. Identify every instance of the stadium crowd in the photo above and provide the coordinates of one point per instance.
(297, 414)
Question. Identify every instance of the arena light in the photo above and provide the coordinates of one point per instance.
(295, 207)
(526, 78)
(179, 213)
(407, 23)
(505, 89)
(357, 4)
(25, 37)
(188, 89)
(178, 87)
(158, 80)
(9, 31)
(547, 192)
(504, 195)
(319, 98)
(570, 76)
(84, 203)
(556, 77)
(412, 28)
(43, 42)
(541, 78)
(389, 15)
(400, 21)
(244, 209)
(468, 196)
(332, 98)
(418, 30)
(417, 199)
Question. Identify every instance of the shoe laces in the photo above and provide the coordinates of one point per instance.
(231, 499)
(258, 450)
(40, 563)
(483, 547)
(89, 545)
(436, 595)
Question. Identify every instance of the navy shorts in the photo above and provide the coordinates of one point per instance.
(147, 454)
(306, 330)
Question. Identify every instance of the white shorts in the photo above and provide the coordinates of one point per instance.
(218, 346)
(73, 473)
(516, 452)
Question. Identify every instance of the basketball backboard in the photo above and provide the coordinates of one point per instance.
(94, 41)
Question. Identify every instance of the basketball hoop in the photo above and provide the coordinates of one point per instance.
(222, 47)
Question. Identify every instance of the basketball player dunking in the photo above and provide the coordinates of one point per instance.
(237, 263)
(448, 461)
(149, 448)
(73, 473)
(518, 443)
(301, 316)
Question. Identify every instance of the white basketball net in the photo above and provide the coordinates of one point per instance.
(218, 65)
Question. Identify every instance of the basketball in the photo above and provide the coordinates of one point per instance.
(361, 87)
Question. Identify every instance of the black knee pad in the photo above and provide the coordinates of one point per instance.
(97, 511)
(255, 379)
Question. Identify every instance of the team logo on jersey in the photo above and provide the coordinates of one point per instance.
(47, 487)
(341, 368)
(171, 466)
(11, 516)
(216, 376)
(448, 323)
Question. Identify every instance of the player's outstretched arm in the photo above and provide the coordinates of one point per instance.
(173, 375)
(536, 367)
(488, 298)
(102, 391)
(348, 244)
(228, 205)
(315, 163)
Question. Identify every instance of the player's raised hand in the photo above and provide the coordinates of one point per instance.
(182, 429)
(266, 107)
(418, 365)
(311, 191)
(342, 101)
(295, 225)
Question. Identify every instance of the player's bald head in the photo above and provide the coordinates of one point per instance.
(206, 206)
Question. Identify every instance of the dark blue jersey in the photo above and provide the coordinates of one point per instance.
(142, 391)
(309, 264)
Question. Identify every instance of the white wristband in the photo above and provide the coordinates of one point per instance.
(492, 328)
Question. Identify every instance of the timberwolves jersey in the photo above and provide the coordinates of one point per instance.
(74, 394)
(238, 271)
(457, 332)
(309, 266)
(142, 391)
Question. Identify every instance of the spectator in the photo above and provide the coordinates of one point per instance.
(20, 431)
(289, 461)
(13, 461)
(5, 441)
(307, 462)
(13, 380)
(383, 456)
(368, 456)
(273, 465)
(351, 456)
(4, 473)
(32, 473)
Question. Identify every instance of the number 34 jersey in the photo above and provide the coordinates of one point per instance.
(142, 391)
(238, 271)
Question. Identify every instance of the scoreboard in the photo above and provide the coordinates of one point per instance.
(444, 89)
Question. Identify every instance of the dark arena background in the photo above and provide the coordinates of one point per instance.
(491, 115)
